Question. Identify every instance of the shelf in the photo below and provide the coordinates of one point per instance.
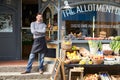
(91, 69)
(92, 65)
(86, 41)
(78, 41)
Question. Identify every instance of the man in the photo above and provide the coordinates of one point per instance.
(38, 29)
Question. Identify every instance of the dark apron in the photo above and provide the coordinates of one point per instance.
(39, 45)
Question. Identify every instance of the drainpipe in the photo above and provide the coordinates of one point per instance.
(59, 26)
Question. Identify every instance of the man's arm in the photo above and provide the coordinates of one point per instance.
(42, 29)
(33, 30)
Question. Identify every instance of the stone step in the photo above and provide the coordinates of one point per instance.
(13, 71)
(19, 76)
(48, 65)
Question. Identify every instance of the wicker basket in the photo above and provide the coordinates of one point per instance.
(66, 46)
(97, 61)
(75, 60)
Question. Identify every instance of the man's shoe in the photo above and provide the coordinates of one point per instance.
(41, 71)
(25, 72)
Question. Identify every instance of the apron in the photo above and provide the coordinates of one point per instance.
(39, 46)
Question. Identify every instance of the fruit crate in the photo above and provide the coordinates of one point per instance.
(92, 77)
(70, 56)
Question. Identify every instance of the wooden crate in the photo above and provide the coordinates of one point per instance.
(78, 73)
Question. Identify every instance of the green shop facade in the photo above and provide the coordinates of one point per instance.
(83, 16)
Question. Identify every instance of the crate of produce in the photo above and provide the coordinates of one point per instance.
(92, 77)
(70, 56)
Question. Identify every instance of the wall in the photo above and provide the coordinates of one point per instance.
(10, 30)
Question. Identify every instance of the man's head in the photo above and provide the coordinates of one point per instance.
(39, 17)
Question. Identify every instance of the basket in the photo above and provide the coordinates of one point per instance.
(75, 60)
(66, 45)
(107, 52)
(97, 59)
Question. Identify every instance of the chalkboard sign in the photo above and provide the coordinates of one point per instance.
(56, 69)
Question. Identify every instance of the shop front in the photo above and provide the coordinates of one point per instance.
(87, 33)
(86, 20)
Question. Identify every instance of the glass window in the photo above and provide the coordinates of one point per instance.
(92, 20)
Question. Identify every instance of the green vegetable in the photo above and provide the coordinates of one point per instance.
(115, 45)
(95, 44)
(100, 45)
(117, 38)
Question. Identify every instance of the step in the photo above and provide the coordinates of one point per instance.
(12, 71)
(19, 76)
(21, 66)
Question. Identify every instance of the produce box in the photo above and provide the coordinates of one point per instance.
(70, 56)
(92, 77)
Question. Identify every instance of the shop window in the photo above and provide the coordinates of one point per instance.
(81, 20)
(50, 19)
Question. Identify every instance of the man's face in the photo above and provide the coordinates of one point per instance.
(39, 18)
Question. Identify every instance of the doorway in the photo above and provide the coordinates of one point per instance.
(29, 10)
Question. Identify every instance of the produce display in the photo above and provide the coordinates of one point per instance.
(91, 77)
(98, 53)
(101, 76)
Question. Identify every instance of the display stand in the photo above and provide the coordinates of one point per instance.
(58, 70)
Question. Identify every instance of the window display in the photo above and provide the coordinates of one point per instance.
(101, 21)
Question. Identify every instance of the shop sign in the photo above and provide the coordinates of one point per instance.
(91, 8)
